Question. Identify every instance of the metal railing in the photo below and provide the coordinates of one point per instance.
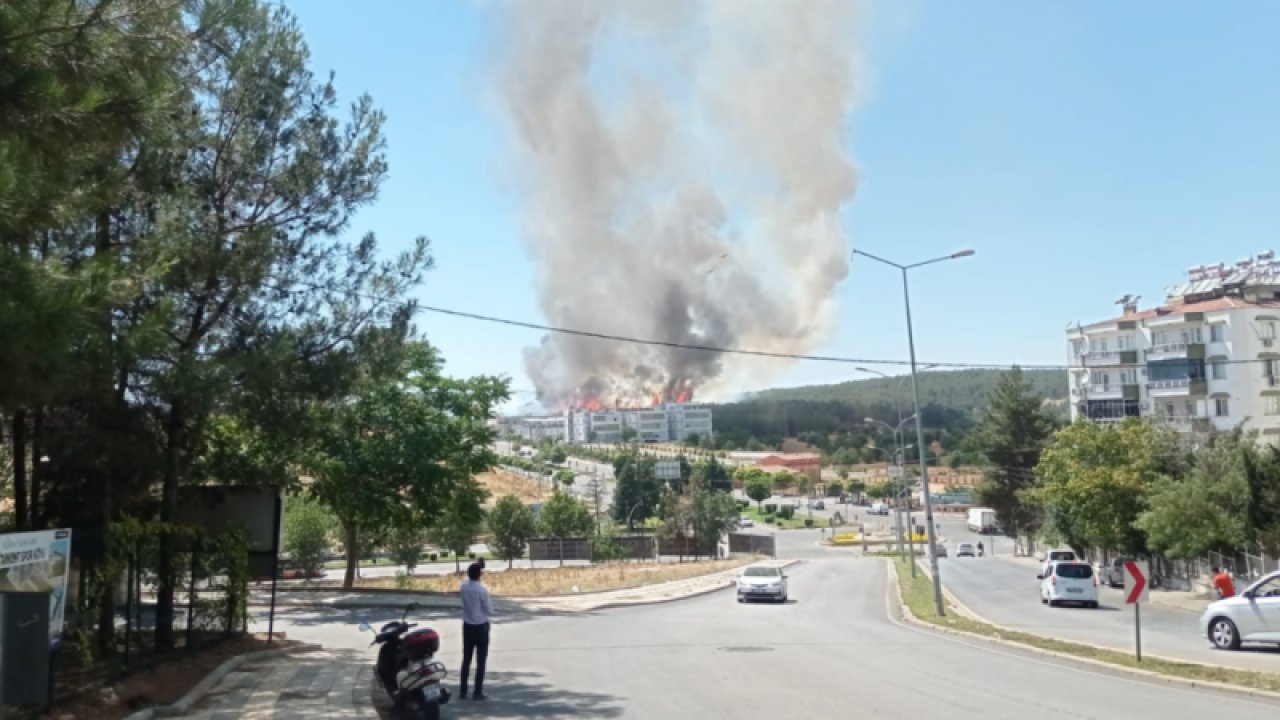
(1172, 347)
(1169, 384)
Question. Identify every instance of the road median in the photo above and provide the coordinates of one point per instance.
(689, 583)
(915, 596)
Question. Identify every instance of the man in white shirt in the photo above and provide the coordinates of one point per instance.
(476, 609)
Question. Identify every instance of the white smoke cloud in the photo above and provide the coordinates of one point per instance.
(684, 167)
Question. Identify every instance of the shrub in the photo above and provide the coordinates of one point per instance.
(472, 556)
(434, 556)
(743, 504)
(835, 489)
(770, 508)
(402, 580)
(808, 522)
(787, 512)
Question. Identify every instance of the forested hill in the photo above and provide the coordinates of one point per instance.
(963, 390)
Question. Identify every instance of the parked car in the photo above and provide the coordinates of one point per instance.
(965, 550)
(746, 522)
(818, 505)
(1069, 582)
(878, 509)
(1252, 616)
(940, 550)
(1112, 573)
(762, 582)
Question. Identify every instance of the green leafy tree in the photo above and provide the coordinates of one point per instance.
(512, 524)
(461, 520)
(712, 475)
(1095, 480)
(713, 513)
(407, 438)
(783, 480)
(564, 516)
(564, 478)
(1012, 434)
(405, 543)
(308, 528)
(758, 487)
(881, 491)
(1207, 509)
(1262, 478)
(636, 490)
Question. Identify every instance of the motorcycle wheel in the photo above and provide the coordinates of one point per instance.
(431, 711)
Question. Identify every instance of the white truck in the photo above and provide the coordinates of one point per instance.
(982, 521)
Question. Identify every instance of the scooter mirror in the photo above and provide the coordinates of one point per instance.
(364, 627)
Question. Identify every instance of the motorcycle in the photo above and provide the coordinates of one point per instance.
(406, 665)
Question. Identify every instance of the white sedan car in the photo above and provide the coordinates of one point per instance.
(1251, 616)
(762, 582)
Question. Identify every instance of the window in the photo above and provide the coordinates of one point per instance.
(1073, 571)
(1104, 380)
(1219, 370)
(1102, 344)
(1192, 335)
(1077, 347)
(1128, 377)
(1124, 342)
(1217, 333)
(1273, 405)
(1220, 408)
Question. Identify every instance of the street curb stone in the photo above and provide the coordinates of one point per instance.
(213, 678)
(910, 617)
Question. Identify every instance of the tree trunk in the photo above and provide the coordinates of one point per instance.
(348, 529)
(20, 469)
(561, 540)
(457, 562)
(168, 507)
(38, 468)
(510, 562)
(107, 595)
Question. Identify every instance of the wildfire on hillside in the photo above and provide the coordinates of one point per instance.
(672, 393)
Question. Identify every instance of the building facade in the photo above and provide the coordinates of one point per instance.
(1206, 359)
(671, 422)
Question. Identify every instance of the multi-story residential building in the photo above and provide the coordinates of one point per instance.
(1207, 358)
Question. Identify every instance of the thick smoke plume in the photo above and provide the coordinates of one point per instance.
(684, 166)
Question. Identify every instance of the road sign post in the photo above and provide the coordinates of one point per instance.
(1136, 592)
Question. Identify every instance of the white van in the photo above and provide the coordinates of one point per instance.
(878, 509)
(982, 520)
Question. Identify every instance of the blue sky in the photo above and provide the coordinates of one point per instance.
(1085, 149)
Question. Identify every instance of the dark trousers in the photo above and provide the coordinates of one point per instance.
(475, 638)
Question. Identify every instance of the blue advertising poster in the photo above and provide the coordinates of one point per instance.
(38, 562)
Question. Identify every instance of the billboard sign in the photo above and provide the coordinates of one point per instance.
(956, 498)
(38, 562)
(667, 469)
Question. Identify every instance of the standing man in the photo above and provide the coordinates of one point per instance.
(476, 609)
(1222, 580)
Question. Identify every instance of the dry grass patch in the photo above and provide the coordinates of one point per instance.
(500, 483)
(569, 580)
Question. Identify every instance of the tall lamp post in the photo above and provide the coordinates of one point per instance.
(899, 460)
(931, 533)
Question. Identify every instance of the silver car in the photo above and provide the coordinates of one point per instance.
(1253, 616)
(762, 582)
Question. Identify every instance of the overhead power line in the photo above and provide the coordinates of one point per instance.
(773, 354)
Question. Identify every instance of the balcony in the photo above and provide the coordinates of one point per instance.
(1198, 423)
(1094, 359)
(1168, 348)
(1109, 390)
(1176, 349)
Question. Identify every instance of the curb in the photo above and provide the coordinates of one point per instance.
(213, 678)
(911, 619)
(697, 593)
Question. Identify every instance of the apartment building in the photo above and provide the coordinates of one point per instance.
(1207, 358)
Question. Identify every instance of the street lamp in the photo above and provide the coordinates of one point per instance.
(899, 460)
(931, 533)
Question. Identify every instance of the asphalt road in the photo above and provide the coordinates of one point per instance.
(1004, 590)
(834, 648)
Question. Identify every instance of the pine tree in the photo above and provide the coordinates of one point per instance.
(1012, 433)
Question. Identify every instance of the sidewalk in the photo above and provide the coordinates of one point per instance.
(321, 684)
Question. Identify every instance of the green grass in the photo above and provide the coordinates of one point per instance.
(917, 593)
(797, 521)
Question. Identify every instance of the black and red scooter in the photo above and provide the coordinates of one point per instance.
(407, 667)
